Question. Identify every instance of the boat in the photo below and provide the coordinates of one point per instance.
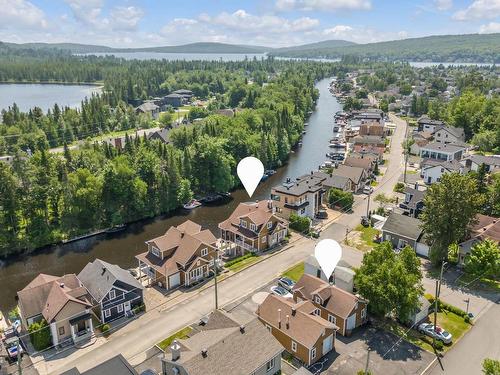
(211, 198)
(306, 123)
(337, 145)
(304, 132)
(270, 172)
(116, 228)
(335, 156)
(299, 144)
(264, 177)
(192, 204)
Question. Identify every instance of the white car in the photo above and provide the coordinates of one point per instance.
(367, 189)
(438, 333)
(280, 291)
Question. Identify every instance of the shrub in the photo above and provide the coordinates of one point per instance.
(399, 187)
(40, 335)
(439, 345)
(342, 199)
(139, 308)
(445, 306)
(299, 223)
(105, 329)
(14, 314)
(239, 259)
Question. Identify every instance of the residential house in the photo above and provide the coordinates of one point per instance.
(449, 134)
(253, 227)
(116, 365)
(223, 346)
(484, 227)
(417, 146)
(366, 163)
(329, 181)
(346, 310)
(401, 231)
(114, 291)
(413, 203)
(161, 135)
(302, 197)
(356, 174)
(442, 151)
(432, 170)
(186, 95)
(342, 277)
(369, 140)
(368, 116)
(184, 255)
(298, 327)
(371, 150)
(149, 108)
(7, 159)
(421, 313)
(473, 162)
(428, 125)
(173, 100)
(63, 302)
(372, 128)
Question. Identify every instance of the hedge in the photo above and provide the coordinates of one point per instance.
(445, 306)
(239, 259)
(40, 335)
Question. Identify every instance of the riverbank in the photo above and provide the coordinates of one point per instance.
(98, 84)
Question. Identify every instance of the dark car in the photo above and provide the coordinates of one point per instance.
(365, 221)
(322, 214)
(286, 283)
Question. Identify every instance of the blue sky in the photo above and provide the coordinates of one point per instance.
(134, 23)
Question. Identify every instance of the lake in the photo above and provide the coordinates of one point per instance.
(120, 248)
(29, 95)
(181, 56)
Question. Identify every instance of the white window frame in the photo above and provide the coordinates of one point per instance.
(211, 263)
(120, 308)
(269, 328)
(155, 251)
(269, 225)
(270, 364)
(317, 299)
(363, 313)
(204, 252)
(317, 312)
(332, 319)
(243, 223)
(263, 240)
(313, 353)
(112, 294)
(107, 313)
(294, 346)
(253, 227)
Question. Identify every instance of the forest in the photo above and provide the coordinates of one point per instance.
(49, 197)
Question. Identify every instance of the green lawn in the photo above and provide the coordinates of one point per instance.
(452, 323)
(480, 284)
(245, 261)
(182, 334)
(411, 335)
(367, 234)
(295, 273)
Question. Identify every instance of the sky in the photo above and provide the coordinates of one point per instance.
(273, 23)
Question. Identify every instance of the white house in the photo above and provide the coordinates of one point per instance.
(432, 170)
(473, 162)
(442, 151)
(449, 134)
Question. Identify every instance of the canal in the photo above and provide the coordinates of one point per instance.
(121, 248)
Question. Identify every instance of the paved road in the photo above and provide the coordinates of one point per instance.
(483, 341)
(139, 335)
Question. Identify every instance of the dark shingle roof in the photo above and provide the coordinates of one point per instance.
(117, 365)
(445, 147)
(404, 226)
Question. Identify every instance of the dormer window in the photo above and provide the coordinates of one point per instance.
(112, 294)
(317, 299)
(243, 223)
(204, 252)
(269, 225)
(155, 251)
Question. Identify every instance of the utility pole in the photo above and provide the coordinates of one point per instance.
(19, 358)
(406, 150)
(367, 361)
(441, 276)
(435, 314)
(215, 279)
(368, 205)
(346, 233)
(467, 301)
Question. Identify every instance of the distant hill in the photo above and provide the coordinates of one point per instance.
(185, 48)
(326, 44)
(442, 48)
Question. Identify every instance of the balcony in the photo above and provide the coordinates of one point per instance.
(245, 246)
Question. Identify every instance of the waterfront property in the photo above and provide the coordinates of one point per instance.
(401, 231)
(344, 309)
(253, 227)
(224, 346)
(442, 151)
(184, 255)
(298, 327)
(357, 175)
(63, 302)
(114, 291)
(473, 162)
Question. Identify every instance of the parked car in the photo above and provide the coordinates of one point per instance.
(368, 189)
(12, 347)
(280, 291)
(286, 283)
(322, 214)
(365, 221)
(438, 333)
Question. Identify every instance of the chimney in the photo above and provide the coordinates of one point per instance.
(288, 322)
(294, 311)
(416, 185)
(103, 271)
(175, 348)
(242, 329)
(61, 285)
(279, 318)
(312, 173)
(204, 353)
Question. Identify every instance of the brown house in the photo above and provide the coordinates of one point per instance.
(484, 228)
(366, 163)
(372, 128)
(253, 227)
(63, 302)
(182, 256)
(298, 327)
(346, 310)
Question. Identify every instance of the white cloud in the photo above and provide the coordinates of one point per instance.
(126, 18)
(361, 34)
(323, 5)
(479, 9)
(86, 11)
(492, 27)
(21, 14)
(443, 4)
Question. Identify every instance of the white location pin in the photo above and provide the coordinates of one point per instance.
(250, 171)
(328, 253)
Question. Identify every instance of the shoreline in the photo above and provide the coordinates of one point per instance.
(97, 84)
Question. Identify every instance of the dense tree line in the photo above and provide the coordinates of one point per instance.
(47, 197)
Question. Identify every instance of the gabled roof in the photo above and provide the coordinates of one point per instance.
(336, 300)
(402, 225)
(444, 147)
(456, 132)
(485, 227)
(229, 349)
(117, 365)
(304, 326)
(47, 295)
(364, 163)
(304, 184)
(354, 173)
(417, 196)
(147, 107)
(99, 277)
(429, 121)
(452, 165)
(482, 159)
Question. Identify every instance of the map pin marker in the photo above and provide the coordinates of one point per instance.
(328, 253)
(250, 171)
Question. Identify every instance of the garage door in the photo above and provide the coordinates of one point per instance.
(422, 249)
(327, 344)
(174, 280)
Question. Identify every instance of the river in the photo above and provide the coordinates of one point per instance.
(29, 95)
(122, 247)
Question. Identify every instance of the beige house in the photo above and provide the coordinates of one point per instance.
(346, 310)
(63, 302)
(253, 227)
(182, 256)
(298, 327)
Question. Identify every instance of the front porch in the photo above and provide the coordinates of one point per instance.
(81, 327)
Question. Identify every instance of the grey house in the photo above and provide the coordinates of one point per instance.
(114, 290)
(401, 230)
(413, 204)
(342, 277)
